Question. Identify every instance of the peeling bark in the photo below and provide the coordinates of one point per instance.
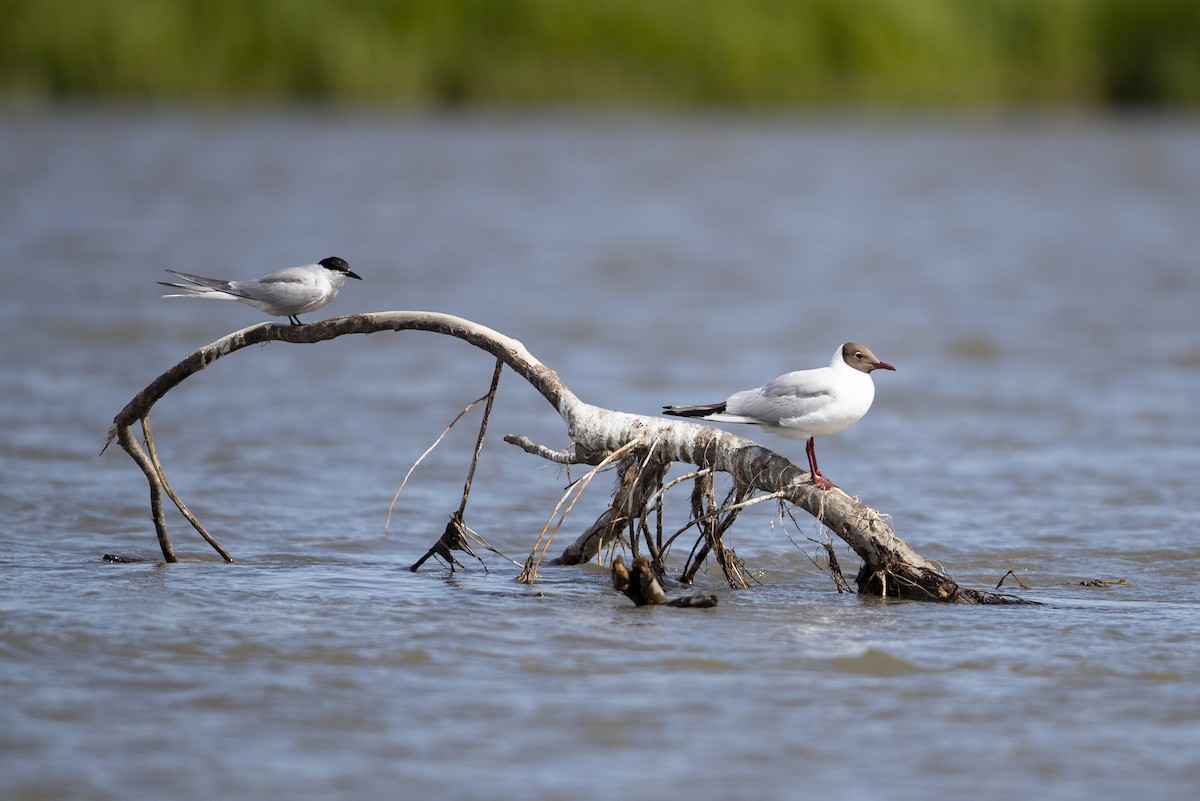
(648, 445)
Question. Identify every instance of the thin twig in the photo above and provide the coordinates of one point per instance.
(626, 496)
(487, 413)
(421, 458)
(535, 557)
(475, 535)
(740, 505)
(833, 567)
(726, 557)
(457, 533)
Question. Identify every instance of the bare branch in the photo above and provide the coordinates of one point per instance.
(599, 436)
(179, 504)
(565, 456)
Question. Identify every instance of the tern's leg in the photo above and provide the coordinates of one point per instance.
(817, 477)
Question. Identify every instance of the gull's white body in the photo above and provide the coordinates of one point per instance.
(284, 293)
(803, 404)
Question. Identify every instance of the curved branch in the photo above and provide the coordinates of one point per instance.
(890, 566)
(508, 350)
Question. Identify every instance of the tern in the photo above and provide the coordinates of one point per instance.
(284, 293)
(803, 404)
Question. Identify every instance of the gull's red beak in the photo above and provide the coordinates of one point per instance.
(883, 366)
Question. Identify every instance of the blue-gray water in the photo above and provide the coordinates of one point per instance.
(1035, 281)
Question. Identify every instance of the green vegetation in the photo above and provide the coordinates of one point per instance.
(744, 53)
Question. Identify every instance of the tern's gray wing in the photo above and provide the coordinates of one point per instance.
(788, 397)
(281, 288)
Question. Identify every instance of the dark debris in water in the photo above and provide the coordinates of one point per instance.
(122, 560)
(641, 586)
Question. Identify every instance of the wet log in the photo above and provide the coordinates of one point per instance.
(647, 446)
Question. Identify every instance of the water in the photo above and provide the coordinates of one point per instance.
(1035, 282)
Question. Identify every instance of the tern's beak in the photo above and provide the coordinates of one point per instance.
(350, 274)
(883, 366)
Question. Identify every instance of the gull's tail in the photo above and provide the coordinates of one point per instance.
(695, 411)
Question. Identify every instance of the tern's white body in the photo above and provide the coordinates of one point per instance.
(284, 293)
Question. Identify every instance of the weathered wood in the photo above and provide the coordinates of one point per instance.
(890, 566)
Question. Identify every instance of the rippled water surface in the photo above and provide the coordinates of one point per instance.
(1035, 282)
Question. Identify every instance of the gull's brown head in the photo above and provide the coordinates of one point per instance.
(860, 358)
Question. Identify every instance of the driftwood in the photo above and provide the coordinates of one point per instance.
(641, 448)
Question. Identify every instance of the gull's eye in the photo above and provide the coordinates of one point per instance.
(858, 354)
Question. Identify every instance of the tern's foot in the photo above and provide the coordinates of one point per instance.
(820, 482)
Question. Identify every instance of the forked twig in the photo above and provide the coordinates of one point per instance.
(179, 504)
(1016, 578)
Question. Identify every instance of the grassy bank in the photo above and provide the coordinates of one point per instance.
(747, 53)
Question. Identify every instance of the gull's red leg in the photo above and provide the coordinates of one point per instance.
(818, 478)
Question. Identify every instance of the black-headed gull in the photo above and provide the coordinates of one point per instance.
(803, 404)
(283, 293)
